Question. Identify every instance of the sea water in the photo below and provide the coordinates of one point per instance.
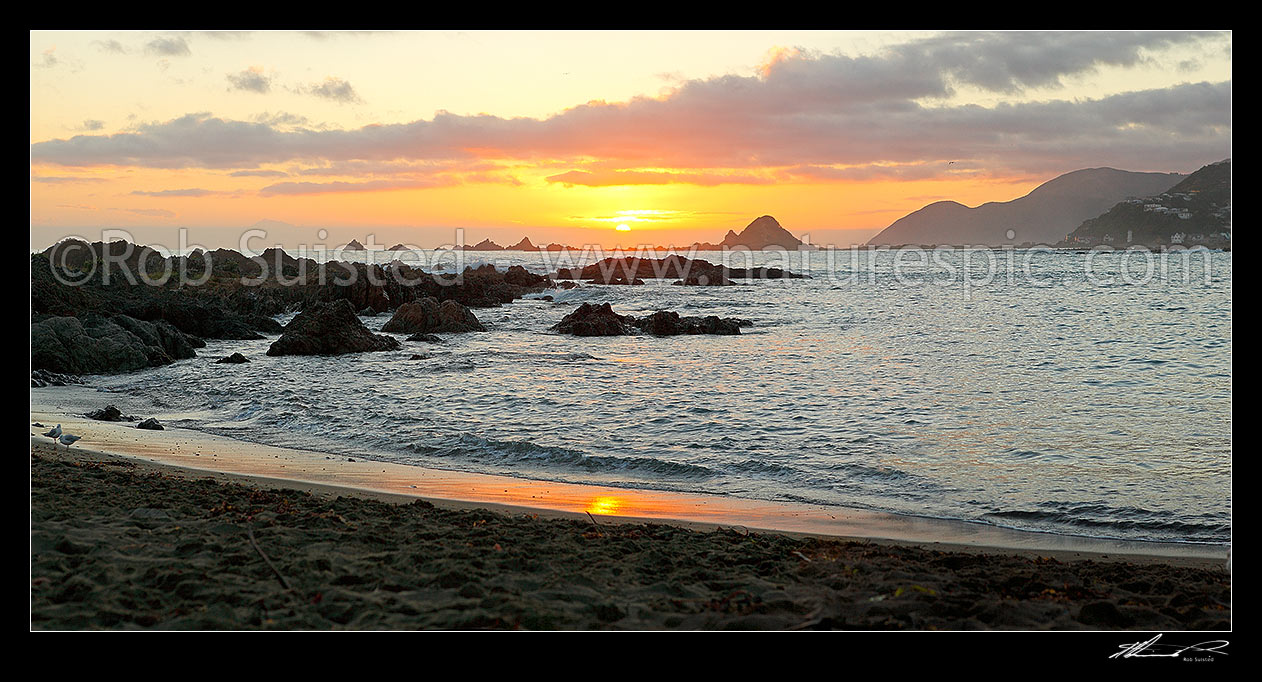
(1081, 393)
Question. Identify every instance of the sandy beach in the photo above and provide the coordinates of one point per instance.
(123, 541)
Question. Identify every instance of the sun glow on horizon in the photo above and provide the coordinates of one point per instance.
(623, 228)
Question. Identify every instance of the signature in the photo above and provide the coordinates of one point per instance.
(1151, 649)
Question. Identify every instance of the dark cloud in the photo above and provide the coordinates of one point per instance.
(190, 192)
(610, 178)
(250, 80)
(173, 46)
(62, 180)
(92, 124)
(151, 212)
(332, 88)
(259, 174)
(293, 188)
(1013, 61)
(112, 46)
(282, 119)
(809, 116)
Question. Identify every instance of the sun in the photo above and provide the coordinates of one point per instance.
(623, 228)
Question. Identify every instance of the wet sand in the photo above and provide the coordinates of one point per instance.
(273, 466)
(121, 543)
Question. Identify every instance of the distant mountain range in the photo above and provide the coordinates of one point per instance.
(1195, 211)
(1044, 216)
(764, 232)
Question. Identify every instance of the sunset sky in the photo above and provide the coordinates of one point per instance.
(564, 136)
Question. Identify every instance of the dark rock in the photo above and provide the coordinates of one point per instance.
(151, 424)
(593, 320)
(329, 329)
(427, 315)
(234, 359)
(426, 338)
(421, 356)
(705, 280)
(109, 414)
(666, 323)
(99, 345)
(265, 324)
(367, 312)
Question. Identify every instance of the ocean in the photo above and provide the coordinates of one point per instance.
(1057, 391)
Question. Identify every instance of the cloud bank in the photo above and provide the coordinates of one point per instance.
(816, 117)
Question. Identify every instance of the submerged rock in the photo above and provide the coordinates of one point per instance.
(329, 329)
(427, 315)
(234, 359)
(426, 338)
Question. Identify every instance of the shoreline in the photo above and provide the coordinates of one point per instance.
(120, 544)
(271, 467)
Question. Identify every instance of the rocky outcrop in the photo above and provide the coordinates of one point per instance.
(764, 232)
(593, 320)
(224, 303)
(666, 323)
(234, 359)
(427, 316)
(109, 413)
(100, 345)
(484, 245)
(353, 245)
(151, 424)
(329, 329)
(601, 320)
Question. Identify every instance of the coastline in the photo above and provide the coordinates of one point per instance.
(118, 543)
(225, 459)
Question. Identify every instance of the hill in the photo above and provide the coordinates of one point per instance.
(1195, 211)
(1044, 216)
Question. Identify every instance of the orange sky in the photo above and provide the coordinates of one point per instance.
(562, 137)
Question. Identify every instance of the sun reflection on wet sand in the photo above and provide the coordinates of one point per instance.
(605, 504)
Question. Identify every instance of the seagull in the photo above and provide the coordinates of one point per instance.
(54, 433)
(67, 439)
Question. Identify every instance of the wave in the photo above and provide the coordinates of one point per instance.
(489, 450)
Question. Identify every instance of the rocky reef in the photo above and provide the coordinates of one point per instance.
(329, 329)
(601, 320)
